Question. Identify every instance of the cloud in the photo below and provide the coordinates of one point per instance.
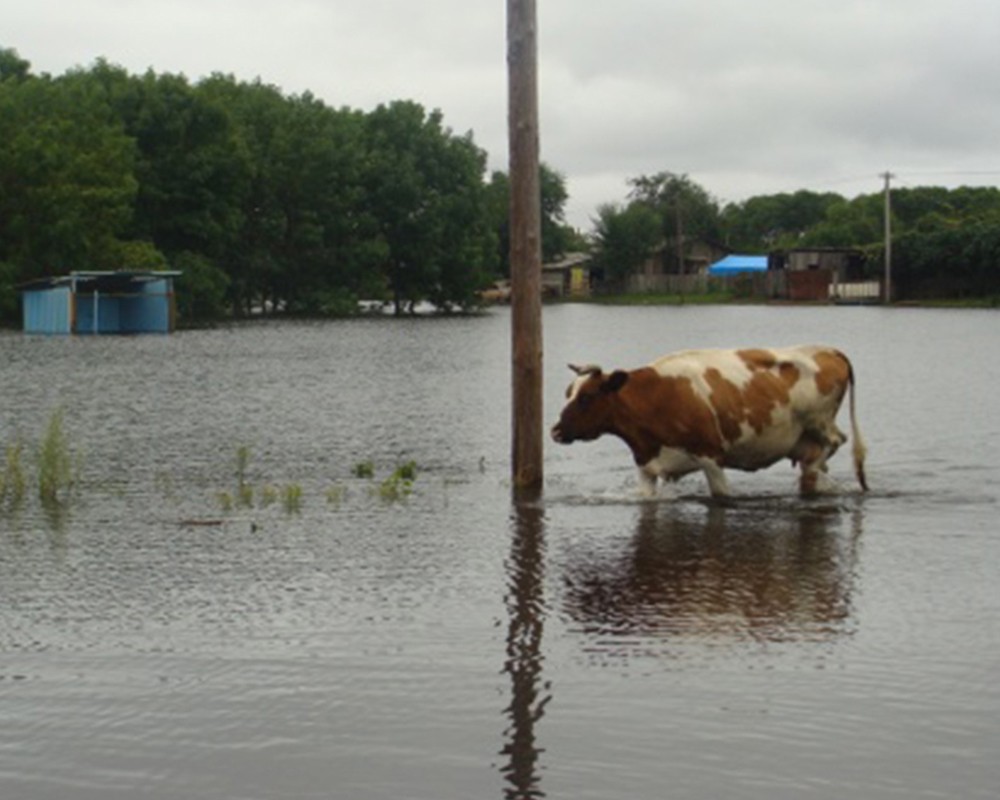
(746, 98)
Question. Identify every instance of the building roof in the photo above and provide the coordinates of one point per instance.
(101, 281)
(734, 264)
(568, 261)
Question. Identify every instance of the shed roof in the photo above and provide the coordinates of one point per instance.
(568, 261)
(102, 281)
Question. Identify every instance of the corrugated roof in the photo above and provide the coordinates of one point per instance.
(92, 278)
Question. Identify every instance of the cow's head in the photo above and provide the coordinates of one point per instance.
(588, 410)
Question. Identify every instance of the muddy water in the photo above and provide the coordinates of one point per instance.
(159, 638)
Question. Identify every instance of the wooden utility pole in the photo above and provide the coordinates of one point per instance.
(525, 243)
(888, 176)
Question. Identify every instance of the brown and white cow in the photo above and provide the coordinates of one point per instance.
(710, 410)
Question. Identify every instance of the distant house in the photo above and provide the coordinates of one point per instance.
(825, 273)
(660, 271)
(568, 276)
(698, 254)
(100, 303)
(843, 263)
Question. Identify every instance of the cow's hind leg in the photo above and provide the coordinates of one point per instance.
(812, 452)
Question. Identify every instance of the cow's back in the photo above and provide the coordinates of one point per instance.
(764, 400)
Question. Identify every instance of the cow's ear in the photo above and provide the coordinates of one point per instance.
(616, 380)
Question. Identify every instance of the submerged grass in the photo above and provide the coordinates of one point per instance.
(56, 468)
(398, 485)
(55, 462)
(291, 498)
(12, 480)
(336, 494)
(267, 496)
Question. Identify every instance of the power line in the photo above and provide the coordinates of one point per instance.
(942, 173)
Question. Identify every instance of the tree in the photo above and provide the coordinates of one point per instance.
(8, 293)
(557, 236)
(12, 66)
(201, 288)
(625, 238)
(192, 170)
(954, 262)
(686, 211)
(768, 222)
(66, 175)
(301, 241)
(424, 190)
(849, 223)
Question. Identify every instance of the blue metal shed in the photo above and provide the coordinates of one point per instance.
(735, 264)
(101, 302)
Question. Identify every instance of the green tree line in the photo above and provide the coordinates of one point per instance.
(272, 202)
(946, 242)
(262, 200)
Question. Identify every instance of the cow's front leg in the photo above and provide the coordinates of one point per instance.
(718, 483)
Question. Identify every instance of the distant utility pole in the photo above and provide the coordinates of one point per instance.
(888, 176)
(525, 244)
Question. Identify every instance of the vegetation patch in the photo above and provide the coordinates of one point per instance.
(56, 468)
(399, 484)
(394, 487)
(12, 480)
(363, 469)
(291, 498)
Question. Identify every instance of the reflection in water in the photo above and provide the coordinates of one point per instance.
(739, 573)
(526, 610)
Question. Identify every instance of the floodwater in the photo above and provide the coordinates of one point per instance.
(324, 634)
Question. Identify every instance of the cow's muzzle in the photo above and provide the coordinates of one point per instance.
(559, 436)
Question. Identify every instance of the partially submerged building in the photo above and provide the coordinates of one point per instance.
(100, 303)
(826, 273)
(569, 276)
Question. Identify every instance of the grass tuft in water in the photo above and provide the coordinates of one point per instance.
(291, 498)
(363, 469)
(267, 496)
(399, 485)
(55, 462)
(12, 481)
(335, 495)
(225, 500)
(244, 491)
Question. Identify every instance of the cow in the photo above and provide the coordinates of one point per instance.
(712, 410)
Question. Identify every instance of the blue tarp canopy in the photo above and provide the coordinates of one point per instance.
(734, 264)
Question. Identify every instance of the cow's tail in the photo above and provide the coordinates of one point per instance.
(858, 448)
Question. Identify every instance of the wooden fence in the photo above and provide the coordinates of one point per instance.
(799, 286)
(768, 285)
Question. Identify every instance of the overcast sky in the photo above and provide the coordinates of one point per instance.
(746, 98)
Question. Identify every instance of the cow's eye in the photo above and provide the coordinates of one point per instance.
(585, 401)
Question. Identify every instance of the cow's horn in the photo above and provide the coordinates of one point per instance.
(590, 369)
